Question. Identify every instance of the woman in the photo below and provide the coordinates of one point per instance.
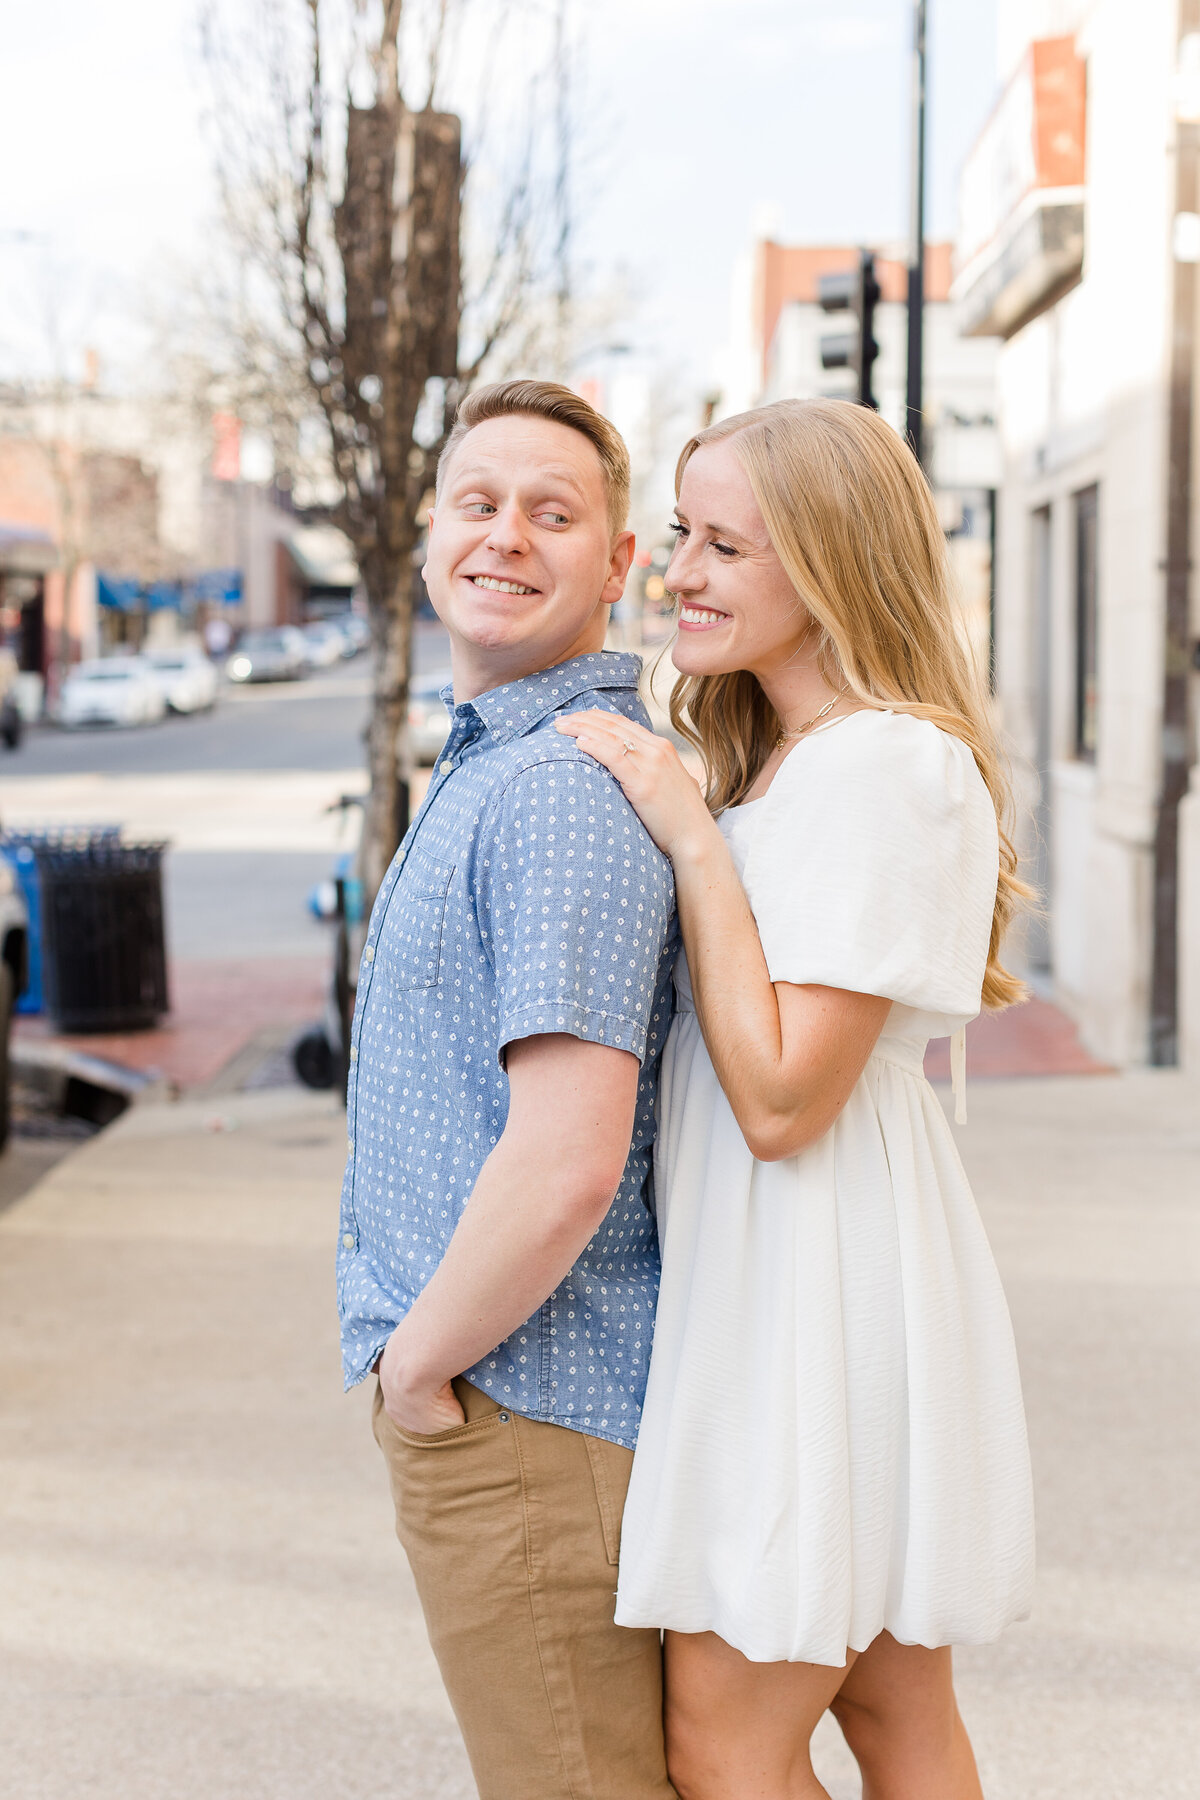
(831, 1485)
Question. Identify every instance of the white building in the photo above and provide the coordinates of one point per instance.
(1066, 254)
(960, 396)
(775, 354)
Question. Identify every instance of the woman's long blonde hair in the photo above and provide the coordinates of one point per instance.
(853, 521)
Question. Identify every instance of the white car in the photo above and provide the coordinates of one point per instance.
(323, 642)
(279, 654)
(428, 720)
(118, 690)
(187, 678)
(355, 630)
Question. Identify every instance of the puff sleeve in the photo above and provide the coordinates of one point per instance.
(874, 866)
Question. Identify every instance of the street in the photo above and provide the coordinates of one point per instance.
(324, 716)
(239, 793)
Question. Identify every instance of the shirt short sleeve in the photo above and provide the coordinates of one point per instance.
(874, 866)
(575, 905)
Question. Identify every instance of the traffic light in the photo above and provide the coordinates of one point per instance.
(857, 291)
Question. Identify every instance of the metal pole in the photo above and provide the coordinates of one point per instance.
(562, 191)
(1176, 734)
(916, 244)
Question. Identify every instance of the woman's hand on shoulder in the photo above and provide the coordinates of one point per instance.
(665, 797)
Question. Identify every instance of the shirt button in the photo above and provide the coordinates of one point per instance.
(350, 1145)
(354, 1053)
(348, 1239)
(369, 953)
(446, 766)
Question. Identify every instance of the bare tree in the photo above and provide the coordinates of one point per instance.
(345, 193)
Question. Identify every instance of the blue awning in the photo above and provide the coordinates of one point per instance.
(164, 593)
(221, 585)
(118, 591)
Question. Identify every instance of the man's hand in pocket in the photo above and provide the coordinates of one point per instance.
(411, 1403)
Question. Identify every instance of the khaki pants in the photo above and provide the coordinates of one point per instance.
(512, 1527)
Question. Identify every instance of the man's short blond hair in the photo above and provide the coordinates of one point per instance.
(549, 400)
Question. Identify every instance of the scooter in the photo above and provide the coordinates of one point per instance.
(321, 1056)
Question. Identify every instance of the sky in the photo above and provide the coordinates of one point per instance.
(789, 114)
(697, 120)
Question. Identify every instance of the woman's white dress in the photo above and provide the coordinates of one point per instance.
(833, 1442)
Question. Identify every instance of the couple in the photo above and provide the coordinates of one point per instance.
(831, 1484)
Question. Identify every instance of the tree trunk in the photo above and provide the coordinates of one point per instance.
(389, 759)
(397, 230)
(69, 571)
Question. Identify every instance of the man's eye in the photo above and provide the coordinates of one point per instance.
(479, 508)
(554, 518)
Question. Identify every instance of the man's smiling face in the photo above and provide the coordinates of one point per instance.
(522, 563)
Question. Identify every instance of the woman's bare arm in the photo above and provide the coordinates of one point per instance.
(787, 1056)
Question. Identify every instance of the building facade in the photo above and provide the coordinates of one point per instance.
(123, 519)
(775, 354)
(1066, 259)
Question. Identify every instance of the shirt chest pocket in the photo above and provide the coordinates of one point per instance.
(416, 924)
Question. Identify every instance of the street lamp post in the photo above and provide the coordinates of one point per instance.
(916, 246)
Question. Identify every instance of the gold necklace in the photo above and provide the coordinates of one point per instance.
(808, 724)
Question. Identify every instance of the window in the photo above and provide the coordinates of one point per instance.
(1086, 621)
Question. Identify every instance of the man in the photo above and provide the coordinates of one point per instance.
(498, 1262)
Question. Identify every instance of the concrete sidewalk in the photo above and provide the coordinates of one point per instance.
(1090, 1190)
(202, 1596)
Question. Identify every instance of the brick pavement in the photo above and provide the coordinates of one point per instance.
(1034, 1039)
(217, 1008)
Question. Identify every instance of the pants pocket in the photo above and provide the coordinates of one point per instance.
(610, 1484)
(487, 1415)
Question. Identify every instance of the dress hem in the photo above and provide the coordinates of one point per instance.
(626, 1618)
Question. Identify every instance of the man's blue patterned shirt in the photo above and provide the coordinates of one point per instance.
(527, 897)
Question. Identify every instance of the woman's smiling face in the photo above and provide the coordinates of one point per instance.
(737, 608)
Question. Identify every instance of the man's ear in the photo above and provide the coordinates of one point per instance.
(620, 561)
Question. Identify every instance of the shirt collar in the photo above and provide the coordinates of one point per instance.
(513, 710)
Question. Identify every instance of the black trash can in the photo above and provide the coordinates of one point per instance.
(21, 848)
(103, 944)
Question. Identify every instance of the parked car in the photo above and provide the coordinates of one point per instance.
(117, 690)
(14, 965)
(278, 655)
(187, 678)
(10, 712)
(324, 642)
(428, 720)
(355, 630)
